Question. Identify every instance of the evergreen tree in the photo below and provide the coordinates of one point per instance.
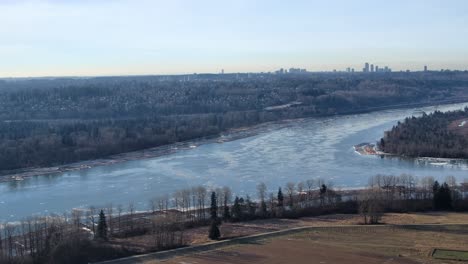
(435, 187)
(435, 195)
(280, 198)
(236, 209)
(323, 191)
(102, 226)
(214, 207)
(442, 196)
(214, 232)
(445, 197)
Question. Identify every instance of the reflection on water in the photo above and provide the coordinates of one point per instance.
(300, 150)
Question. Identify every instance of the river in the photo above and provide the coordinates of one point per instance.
(280, 153)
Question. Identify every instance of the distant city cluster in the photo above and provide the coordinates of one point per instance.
(291, 70)
(376, 68)
(368, 68)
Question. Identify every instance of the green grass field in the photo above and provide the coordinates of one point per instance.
(450, 254)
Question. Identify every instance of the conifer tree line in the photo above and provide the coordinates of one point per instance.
(406, 193)
(438, 135)
(90, 235)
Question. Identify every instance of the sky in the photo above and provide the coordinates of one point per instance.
(133, 37)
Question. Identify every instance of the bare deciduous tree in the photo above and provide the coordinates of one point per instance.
(110, 218)
(426, 184)
(370, 205)
(290, 189)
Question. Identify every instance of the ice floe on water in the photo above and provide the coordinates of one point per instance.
(275, 153)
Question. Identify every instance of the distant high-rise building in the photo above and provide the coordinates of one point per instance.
(222, 71)
(348, 69)
(280, 71)
(425, 68)
(376, 68)
(366, 67)
(352, 70)
(372, 67)
(294, 70)
(297, 70)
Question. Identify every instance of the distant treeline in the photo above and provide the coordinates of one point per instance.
(438, 135)
(46, 122)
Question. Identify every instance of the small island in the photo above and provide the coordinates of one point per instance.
(437, 135)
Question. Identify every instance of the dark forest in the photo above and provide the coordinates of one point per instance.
(52, 121)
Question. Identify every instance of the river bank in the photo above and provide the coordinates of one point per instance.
(373, 150)
(231, 135)
(368, 149)
(294, 151)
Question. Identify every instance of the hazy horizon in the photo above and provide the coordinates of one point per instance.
(122, 37)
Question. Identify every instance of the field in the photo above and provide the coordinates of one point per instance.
(196, 236)
(450, 254)
(381, 244)
(334, 240)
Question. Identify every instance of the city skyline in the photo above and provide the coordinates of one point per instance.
(92, 38)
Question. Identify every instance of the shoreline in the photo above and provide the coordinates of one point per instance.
(230, 135)
(149, 153)
(370, 149)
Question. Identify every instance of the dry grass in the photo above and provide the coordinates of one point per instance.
(196, 236)
(427, 218)
(342, 245)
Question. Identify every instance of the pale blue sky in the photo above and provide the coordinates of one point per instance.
(120, 37)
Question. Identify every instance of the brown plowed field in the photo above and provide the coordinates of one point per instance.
(347, 245)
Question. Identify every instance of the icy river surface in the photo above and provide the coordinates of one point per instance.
(280, 153)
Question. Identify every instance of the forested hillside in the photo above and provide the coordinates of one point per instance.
(442, 135)
(47, 122)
